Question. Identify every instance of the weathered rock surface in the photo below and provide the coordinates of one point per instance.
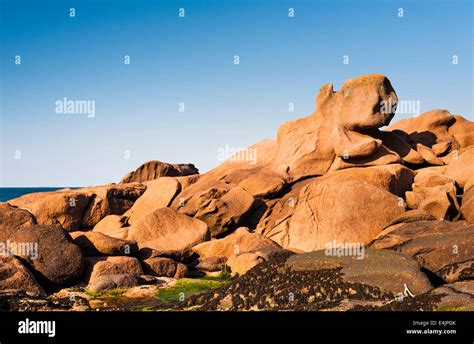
(380, 268)
(154, 169)
(98, 244)
(113, 281)
(115, 226)
(164, 267)
(105, 266)
(442, 247)
(15, 276)
(239, 242)
(463, 131)
(439, 201)
(79, 208)
(221, 205)
(461, 169)
(429, 128)
(52, 256)
(457, 296)
(210, 264)
(159, 194)
(467, 208)
(13, 219)
(332, 210)
(309, 146)
(168, 232)
(241, 263)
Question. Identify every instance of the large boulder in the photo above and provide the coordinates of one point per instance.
(223, 206)
(438, 200)
(115, 226)
(390, 271)
(274, 221)
(239, 264)
(98, 244)
(13, 219)
(52, 256)
(326, 210)
(461, 169)
(394, 178)
(15, 276)
(457, 296)
(104, 266)
(159, 194)
(168, 232)
(467, 207)
(154, 169)
(113, 281)
(429, 128)
(253, 170)
(164, 267)
(463, 131)
(400, 142)
(110, 200)
(309, 146)
(79, 208)
(264, 184)
(65, 208)
(442, 247)
(239, 242)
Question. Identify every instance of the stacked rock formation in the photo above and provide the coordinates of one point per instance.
(332, 177)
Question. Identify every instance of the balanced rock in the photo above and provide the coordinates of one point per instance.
(52, 256)
(155, 169)
(309, 146)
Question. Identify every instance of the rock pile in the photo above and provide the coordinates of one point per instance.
(336, 180)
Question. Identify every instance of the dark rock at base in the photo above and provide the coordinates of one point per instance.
(54, 259)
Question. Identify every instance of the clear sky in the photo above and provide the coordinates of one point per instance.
(190, 60)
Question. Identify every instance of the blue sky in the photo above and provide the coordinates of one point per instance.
(190, 60)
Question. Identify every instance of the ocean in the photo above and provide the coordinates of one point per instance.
(10, 193)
